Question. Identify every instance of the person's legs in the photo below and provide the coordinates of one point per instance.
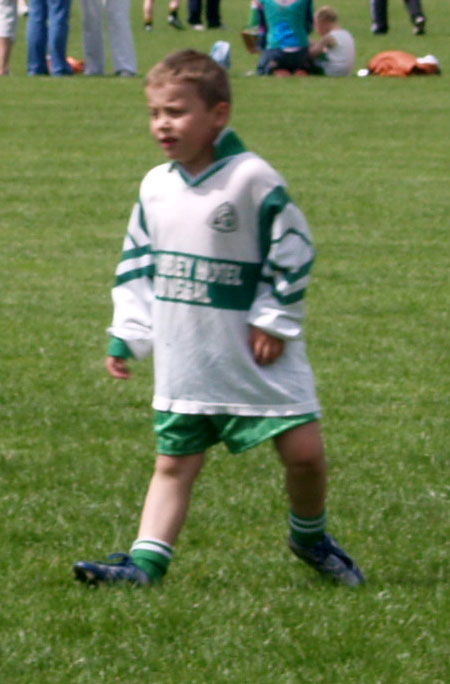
(195, 12)
(301, 451)
(414, 8)
(164, 512)
(5, 54)
(168, 496)
(121, 37)
(417, 16)
(173, 17)
(379, 13)
(269, 61)
(37, 38)
(213, 13)
(8, 22)
(59, 14)
(147, 12)
(94, 52)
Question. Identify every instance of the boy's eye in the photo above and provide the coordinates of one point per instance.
(175, 112)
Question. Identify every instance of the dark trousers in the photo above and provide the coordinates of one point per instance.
(212, 12)
(379, 11)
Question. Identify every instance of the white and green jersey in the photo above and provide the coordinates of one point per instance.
(204, 258)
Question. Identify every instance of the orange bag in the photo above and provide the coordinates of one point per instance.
(398, 63)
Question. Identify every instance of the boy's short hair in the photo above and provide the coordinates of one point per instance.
(327, 13)
(210, 79)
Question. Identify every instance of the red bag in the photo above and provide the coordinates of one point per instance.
(398, 63)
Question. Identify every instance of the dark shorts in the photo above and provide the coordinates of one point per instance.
(281, 59)
(181, 434)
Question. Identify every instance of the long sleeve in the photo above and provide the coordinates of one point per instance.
(310, 16)
(278, 307)
(132, 293)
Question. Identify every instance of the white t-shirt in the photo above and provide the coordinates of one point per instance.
(339, 60)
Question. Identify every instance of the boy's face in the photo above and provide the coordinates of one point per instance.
(183, 125)
(321, 27)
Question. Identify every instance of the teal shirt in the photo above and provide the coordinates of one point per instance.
(288, 23)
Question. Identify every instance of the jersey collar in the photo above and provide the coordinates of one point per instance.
(226, 146)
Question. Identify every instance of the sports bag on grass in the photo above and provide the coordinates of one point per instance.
(398, 63)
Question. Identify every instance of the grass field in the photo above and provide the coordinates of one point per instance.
(367, 160)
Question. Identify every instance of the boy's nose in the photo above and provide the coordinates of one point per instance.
(163, 123)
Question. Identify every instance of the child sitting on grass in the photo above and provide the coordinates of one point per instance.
(213, 277)
(334, 53)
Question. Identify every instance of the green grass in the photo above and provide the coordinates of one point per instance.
(367, 160)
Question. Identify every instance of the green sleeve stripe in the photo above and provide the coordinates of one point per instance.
(131, 238)
(142, 221)
(134, 274)
(294, 231)
(290, 298)
(293, 277)
(284, 299)
(272, 205)
(135, 253)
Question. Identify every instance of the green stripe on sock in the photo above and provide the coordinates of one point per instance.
(307, 531)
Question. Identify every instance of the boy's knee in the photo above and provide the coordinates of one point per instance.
(179, 466)
(303, 462)
(302, 447)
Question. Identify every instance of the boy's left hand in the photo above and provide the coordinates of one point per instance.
(266, 348)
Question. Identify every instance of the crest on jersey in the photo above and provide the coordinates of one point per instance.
(224, 218)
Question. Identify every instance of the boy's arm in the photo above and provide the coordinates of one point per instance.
(318, 47)
(131, 330)
(278, 308)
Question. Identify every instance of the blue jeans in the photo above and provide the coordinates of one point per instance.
(48, 29)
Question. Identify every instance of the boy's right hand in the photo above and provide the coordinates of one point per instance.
(117, 367)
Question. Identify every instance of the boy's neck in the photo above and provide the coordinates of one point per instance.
(220, 148)
(226, 145)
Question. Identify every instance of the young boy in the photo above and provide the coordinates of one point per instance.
(212, 280)
(334, 53)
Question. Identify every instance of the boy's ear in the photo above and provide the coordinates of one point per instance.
(222, 113)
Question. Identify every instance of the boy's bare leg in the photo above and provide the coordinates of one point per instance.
(163, 515)
(168, 497)
(301, 451)
(147, 10)
(5, 54)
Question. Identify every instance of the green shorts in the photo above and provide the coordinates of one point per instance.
(181, 434)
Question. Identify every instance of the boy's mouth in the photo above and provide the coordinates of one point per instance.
(167, 142)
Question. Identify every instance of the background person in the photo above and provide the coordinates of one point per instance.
(8, 29)
(172, 18)
(120, 37)
(334, 53)
(48, 30)
(289, 23)
(379, 12)
(213, 19)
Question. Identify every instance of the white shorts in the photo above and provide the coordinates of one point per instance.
(8, 19)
